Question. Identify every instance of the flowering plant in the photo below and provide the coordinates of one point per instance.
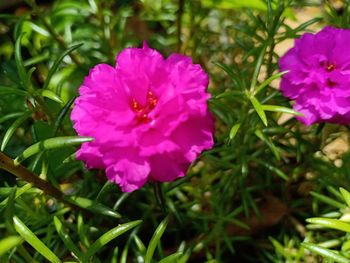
(319, 76)
(148, 117)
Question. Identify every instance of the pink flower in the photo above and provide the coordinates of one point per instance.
(319, 77)
(148, 117)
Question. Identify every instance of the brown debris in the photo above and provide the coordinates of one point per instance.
(272, 211)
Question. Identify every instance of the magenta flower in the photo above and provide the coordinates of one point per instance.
(319, 77)
(148, 117)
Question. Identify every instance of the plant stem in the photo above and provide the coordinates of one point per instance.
(159, 196)
(23, 173)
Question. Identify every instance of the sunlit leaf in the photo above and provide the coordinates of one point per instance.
(346, 195)
(281, 109)
(171, 258)
(234, 130)
(51, 143)
(259, 109)
(327, 253)
(50, 95)
(327, 200)
(93, 206)
(34, 241)
(109, 236)
(269, 80)
(330, 223)
(234, 4)
(155, 240)
(8, 243)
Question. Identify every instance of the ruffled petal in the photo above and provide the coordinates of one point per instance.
(168, 167)
(194, 136)
(130, 175)
(91, 154)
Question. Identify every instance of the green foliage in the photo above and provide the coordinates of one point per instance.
(245, 200)
(339, 243)
(155, 240)
(34, 241)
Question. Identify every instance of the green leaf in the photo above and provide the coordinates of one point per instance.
(330, 223)
(234, 131)
(82, 231)
(308, 23)
(8, 243)
(232, 94)
(327, 200)
(278, 246)
(282, 109)
(62, 114)
(274, 169)
(121, 200)
(92, 206)
(115, 255)
(234, 4)
(258, 64)
(269, 80)
(259, 109)
(38, 29)
(51, 143)
(269, 15)
(37, 59)
(11, 130)
(269, 143)
(139, 244)
(155, 240)
(346, 245)
(19, 63)
(66, 238)
(289, 12)
(58, 62)
(106, 188)
(50, 95)
(327, 253)
(9, 90)
(229, 71)
(70, 158)
(19, 192)
(330, 243)
(8, 16)
(171, 258)
(10, 116)
(109, 236)
(346, 195)
(34, 241)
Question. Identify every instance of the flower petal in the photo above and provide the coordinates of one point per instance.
(130, 175)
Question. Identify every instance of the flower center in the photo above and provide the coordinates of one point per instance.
(141, 111)
(330, 67)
